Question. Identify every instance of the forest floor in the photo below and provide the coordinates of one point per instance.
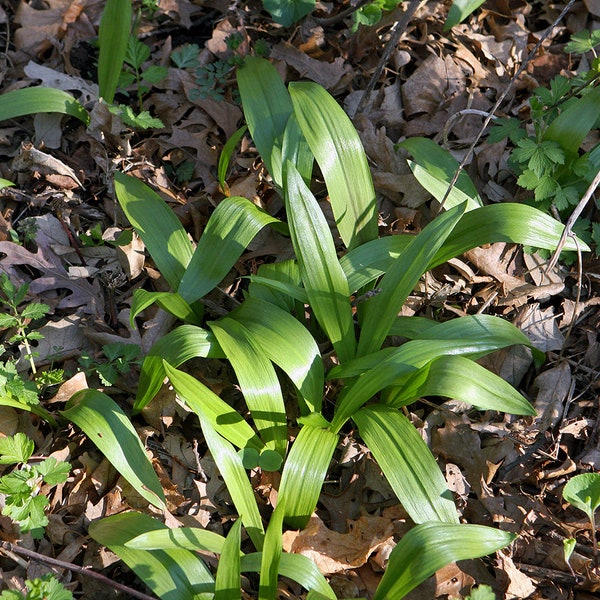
(504, 471)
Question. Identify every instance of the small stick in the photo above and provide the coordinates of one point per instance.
(53, 562)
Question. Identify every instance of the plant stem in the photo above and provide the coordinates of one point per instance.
(594, 541)
(27, 349)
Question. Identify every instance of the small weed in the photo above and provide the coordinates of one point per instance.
(25, 501)
(46, 587)
(120, 359)
(370, 14)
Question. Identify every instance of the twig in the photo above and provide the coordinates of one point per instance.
(325, 21)
(578, 296)
(397, 31)
(571, 221)
(500, 99)
(53, 562)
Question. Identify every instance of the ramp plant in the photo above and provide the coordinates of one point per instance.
(294, 313)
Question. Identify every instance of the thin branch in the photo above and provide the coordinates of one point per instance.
(53, 562)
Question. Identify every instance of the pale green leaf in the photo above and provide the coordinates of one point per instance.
(227, 151)
(271, 554)
(583, 491)
(228, 581)
(407, 464)
(109, 428)
(459, 11)
(170, 302)
(188, 538)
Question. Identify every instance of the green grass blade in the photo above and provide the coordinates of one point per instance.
(257, 380)
(113, 35)
(337, 148)
(176, 347)
(407, 464)
(238, 485)
(267, 108)
(399, 281)
(429, 547)
(225, 157)
(187, 538)
(107, 426)
(172, 574)
(271, 555)
(296, 567)
(463, 379)
(160, 230)
(304, 473)
(434, 168)
(289, 345)
(459, 11)
(230, 229)
(323, 278)
(226, 421)
(34, 100)
(228, 579)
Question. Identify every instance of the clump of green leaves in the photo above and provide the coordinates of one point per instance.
(11, 297)
(14, 387)
(370, 14)
(24, 501)
(134, 74)
(120, 357)
(46, 587)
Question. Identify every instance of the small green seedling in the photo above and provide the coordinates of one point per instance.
(481, 592)
(24, 501)
(583, 492)
(568, 549)
(46, 587)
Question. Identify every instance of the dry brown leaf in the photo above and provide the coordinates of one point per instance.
(519, 584)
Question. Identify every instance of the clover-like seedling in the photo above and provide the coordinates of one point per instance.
(583, 492)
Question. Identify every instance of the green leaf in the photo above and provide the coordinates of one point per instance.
(157, 225)
(271, 554)
(226, 153)
(289, 345)
(113, 37)
(5, 182)
(35, 310)
(583, 492)
(186, 56)
(323, 278)
(463, 379)
(170, 302)
(188, 538)
(171, 574)
(506, 128)
(400, 279)
(407, 464)
(278, 284)
(54, 471)
(338, 150)
(34, 100)
(430, 546)
(176, 347)
(228, 578)
(225, 420)
(258, 381)
(15, 449)
(267, 108)
(154, 73)
(583, 41)
(304, 473)
(459, 11)
(137, 52)
(107, 426)
(141, 120)
(232, 226)
(434, 168)
(287, 12)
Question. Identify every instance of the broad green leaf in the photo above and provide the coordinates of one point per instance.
(236, 480)
(36, 409)
(287, 12)
(228, 582)
(434, 168)
(283, 288)
(324, 280)
(257, 380)
(573, 124)
(583, 492)
(430, 546)
(271, 554)
(34, 100)
(232, 226)
(170, 302)
(176, 347)
(109, 428)
(459, 11)
(113, 37)
(172, 574)
(407, 464)
(296, 149)
(289, 345)
(381, 311)
(336, 145)
(463, 379)
(304, 473)
(187, 538)
(296, 567)
(157, 225)
(509, 222)
(225, 157)
(267, 108)
(279, 284)
(225, 420)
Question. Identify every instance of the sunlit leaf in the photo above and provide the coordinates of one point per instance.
(459, 11)
(228, 581)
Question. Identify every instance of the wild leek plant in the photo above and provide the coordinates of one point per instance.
(291, 311)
